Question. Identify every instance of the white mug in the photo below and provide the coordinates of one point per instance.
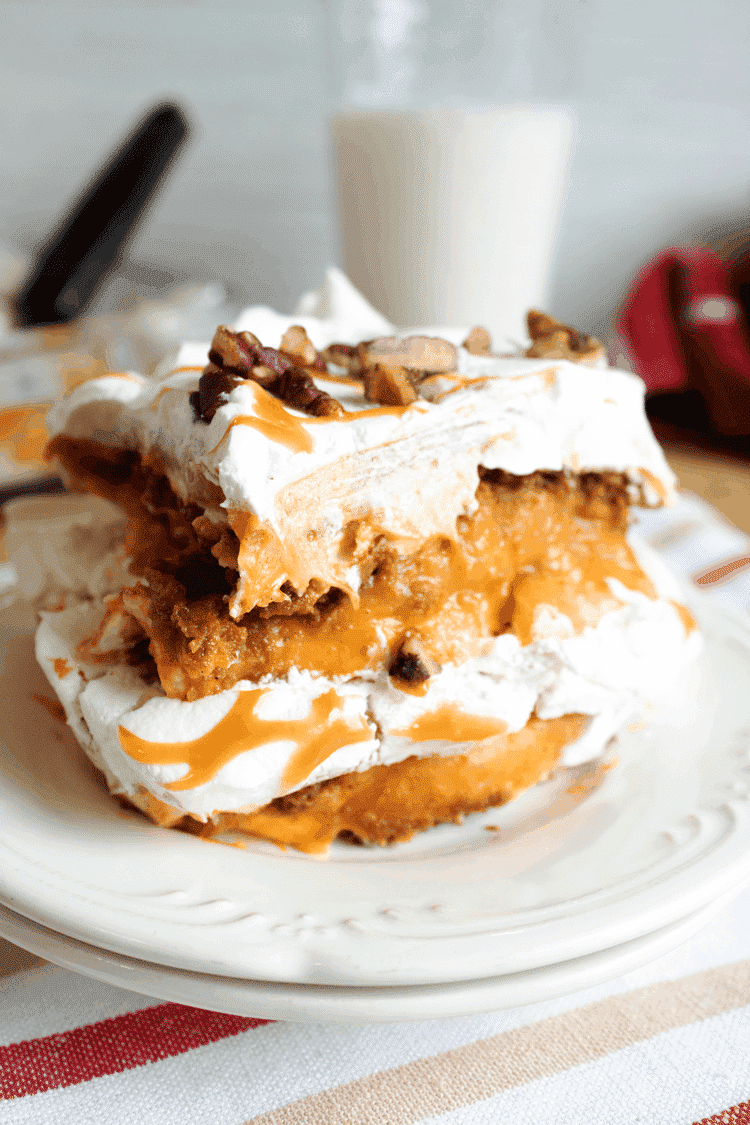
(448, 216)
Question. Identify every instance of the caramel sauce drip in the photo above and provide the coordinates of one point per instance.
(689, 623)
(317, 736)
(369, 412)
(458, 383)
(160, 395)
(345, 380)
(126, 375)
(275, 423)
(22, 432)
(62, 667)
(450, 724)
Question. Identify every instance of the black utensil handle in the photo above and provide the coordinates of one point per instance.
(88, 241)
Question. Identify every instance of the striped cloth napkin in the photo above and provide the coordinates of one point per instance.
(667, 1044)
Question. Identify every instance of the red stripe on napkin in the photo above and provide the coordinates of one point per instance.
(112, 1045)
(737, 1115)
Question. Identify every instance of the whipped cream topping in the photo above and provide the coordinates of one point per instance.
(66, 548)
(305, 479)
(635, 653)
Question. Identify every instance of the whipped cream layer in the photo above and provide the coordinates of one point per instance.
(406, 472)
(305, 728)
(66, 548)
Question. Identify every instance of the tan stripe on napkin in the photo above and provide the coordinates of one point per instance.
(440, 1083)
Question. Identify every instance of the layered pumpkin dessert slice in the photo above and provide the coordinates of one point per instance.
(363, 588)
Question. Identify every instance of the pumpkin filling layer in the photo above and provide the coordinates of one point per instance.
(534, 543)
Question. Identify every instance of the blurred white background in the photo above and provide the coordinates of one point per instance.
(661, 89)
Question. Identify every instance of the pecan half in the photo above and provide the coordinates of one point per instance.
(551, 339)
(478, 342)
(238, 356)
(214, 386)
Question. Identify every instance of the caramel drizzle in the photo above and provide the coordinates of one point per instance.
(277, 424)
(273, 422)
(61, 666)
(317, 737)
(118, 375)
(448, 723)
(369, 412)
(344, 380)
(460, 382)
(160, 395)
(689, 623)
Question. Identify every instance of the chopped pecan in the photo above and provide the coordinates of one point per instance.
(239, 356)
(296, 343)
(342, 355)
(392, 368)
(390, 386)
(551, 339)
(239, 352)
(478, 342)
(213, 386)
(413, 664)
(226, 349)
(540, 324)
(297, 389)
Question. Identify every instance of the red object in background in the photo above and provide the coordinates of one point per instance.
(685, 325)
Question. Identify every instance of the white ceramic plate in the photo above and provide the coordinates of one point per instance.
(304, 1003)
(573, 869)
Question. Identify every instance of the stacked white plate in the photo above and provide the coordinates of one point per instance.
(590, 874)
